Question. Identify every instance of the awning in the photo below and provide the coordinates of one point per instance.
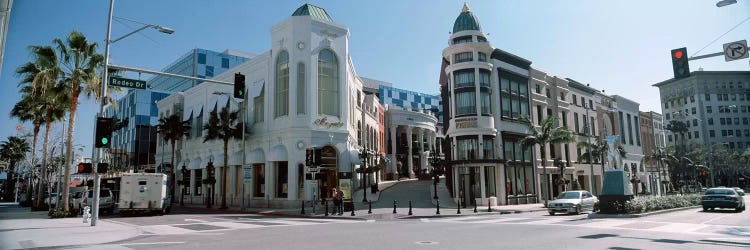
(198, 109)
(278, 153)
(257, 88)
(187, 113)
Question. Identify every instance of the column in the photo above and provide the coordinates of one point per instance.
(293, 181)
(409, 162)
(393, 148)
(231, 195)
(420, 137)
(192, 184)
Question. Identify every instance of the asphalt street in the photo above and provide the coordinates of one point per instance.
(686, 229)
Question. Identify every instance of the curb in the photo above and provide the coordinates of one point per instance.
(470, 214)
(607, 216)
(269, 213)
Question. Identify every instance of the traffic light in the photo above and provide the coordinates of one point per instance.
(103, 132)
(309, 159)
(102, 168)
(239, 86)
(84, 168)
(680, 64)
(210, 170)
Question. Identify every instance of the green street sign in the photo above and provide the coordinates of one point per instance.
(127, 83)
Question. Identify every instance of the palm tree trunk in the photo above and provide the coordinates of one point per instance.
(545, 192)
(48, 122)
(224, 177)
(11, 187)
(39, 196)
(171, 173)
(69, 150)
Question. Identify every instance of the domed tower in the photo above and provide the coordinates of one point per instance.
(471, 84)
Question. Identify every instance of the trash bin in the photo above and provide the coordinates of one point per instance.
(493, 201)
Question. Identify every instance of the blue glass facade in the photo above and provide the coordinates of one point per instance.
(405, 98)
(201, 63)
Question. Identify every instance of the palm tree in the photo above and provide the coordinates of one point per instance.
(678, 127)
(223, 126)
(658, 156)
(79, 63)
(41, 78)
(548, 133)
(13, 151)
(172, 128)
(30, 109)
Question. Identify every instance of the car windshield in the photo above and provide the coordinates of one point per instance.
(102, 193)
(569, 195)
(720, 192)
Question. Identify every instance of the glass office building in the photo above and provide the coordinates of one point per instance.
(201, 63)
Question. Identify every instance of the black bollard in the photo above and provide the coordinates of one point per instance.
(369, 209)
(438, 206)
(475, 207)
(394, 206)
(303, 208)
(489, 208)
(352, 208)
(410, 208)
(458, 206)
(326, 208)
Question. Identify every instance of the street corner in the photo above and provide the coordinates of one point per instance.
(38, 233)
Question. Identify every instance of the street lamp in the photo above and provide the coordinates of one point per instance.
(243, 111)
(723, 3)
(437, 169)
(184, 182)
(105, 83)
(364, 154)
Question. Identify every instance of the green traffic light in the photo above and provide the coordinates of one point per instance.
(242, 92)
(105, 141)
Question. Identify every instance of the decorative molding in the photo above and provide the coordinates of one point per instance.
(323, 122)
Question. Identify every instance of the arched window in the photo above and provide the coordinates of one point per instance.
(301, 99)
(328, 83)
(282, 85)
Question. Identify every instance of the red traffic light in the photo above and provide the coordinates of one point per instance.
(85, 168)
(678, 54)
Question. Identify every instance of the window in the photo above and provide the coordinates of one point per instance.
(538, 89)
(463, 57)
(744, 121)
(710, 121)
(197, 188)
(282, 180)
(562, 97)
(225, 63)
(667, 116)
(575, 122)
(708, 97)
(201, 58)
(692, 99)
(564, 119)
(591, 104)
(258, 106)
(209, 71)
(736, 121)
(547, 92)
(593, 128)
(630, 131)
(463, 78)
(467, 148)
(488, 147)
(575, 102)
(724, 133)
(696, 134)
(482, 57)
(489, 180)
(301, 99)
(730, 132)
(637, 130)
(484, 78)
(462, 39)
(722, 121)
(281, 107)
(708, 109)
(711, 133)
(743, 108)
(485, 101)
(514, 97)
(259, 175)
(695, 122)
(693, 110)
(481, 39)
(539, 114)
(328, 83)
(666, 105)
(466, 103)
(669, 138)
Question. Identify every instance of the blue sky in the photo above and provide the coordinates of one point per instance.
(620, 46)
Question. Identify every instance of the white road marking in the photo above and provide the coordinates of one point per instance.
(424, 220)
(196, 220)
(720, 217)
(370, 221)
(152, 243)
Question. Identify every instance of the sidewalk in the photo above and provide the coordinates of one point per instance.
(20, 228)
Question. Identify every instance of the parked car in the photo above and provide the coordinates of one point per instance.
(739, 191)
(573, 202)
(51, 200)
(723, 198)
(105, 200)
(76, 200)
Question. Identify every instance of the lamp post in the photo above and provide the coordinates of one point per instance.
(365, 154)
(184, 181)
(104, 90)
(210, 180)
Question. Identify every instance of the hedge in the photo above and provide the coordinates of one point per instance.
(642, 204)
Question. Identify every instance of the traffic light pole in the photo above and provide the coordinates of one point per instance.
(103, 101)
(706, 56)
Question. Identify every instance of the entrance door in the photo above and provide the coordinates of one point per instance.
(465, 190)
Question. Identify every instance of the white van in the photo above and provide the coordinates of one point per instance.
(143, 192)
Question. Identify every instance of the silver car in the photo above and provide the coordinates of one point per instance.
(573, 202)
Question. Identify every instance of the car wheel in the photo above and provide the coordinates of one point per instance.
(595, 208)
(705, 208)
(738, 209)
(551, 213)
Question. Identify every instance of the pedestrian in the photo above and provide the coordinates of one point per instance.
(340, 195)
(336, 201)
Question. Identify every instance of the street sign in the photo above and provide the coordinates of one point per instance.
(127, 83)
(735, 50)
(247, 172)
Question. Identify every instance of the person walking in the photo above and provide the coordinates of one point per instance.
(336, 200)
(340, 195)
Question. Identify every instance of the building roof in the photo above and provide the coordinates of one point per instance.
(580, 86)
(313, 11)
(465, 21)
(510, 58)
(700, 73)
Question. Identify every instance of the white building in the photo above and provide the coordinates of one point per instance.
(628, 117)
(303, 93)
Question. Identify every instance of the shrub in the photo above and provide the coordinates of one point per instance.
(644, 204)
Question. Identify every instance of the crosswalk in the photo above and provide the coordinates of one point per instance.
(205, 227)
(671, 227)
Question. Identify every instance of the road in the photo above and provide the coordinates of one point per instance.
(687, 229)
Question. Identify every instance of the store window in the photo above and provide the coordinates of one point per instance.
(198, 187)
(282, 180)
(489, 181)
(467, 148)
(259, 177)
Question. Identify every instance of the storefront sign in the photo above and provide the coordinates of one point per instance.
(323, 122)
(466, 123)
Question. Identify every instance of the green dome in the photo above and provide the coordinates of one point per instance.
(465, 21)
